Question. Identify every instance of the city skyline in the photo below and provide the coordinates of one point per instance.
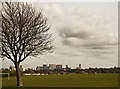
(63, 66)
(85, 33)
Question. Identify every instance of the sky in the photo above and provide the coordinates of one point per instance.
(83, 33)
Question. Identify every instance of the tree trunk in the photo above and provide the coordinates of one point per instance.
(18, 75)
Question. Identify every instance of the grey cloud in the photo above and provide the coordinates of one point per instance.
(72, 54)
(99, 45)
(89, 40)
(82, 39)
(68, 32)
(66, 42)
(89, 45)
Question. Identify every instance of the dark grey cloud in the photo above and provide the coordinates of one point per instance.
(82, 39)
(75, 37)
(99, 45)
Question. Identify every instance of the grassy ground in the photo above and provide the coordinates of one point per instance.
(70, 80)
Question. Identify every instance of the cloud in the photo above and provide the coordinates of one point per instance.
(53, 11)
(82, 34)
(87, 30)
(68, 33)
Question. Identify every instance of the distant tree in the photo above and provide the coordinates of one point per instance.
(25, 32)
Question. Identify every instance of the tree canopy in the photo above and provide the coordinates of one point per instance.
(24, 31)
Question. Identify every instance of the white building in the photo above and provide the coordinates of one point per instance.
(52, 66)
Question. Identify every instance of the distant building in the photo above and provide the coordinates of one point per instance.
(52, 66)
(79, 66)
(59, 67)
(24, 69)
(45, 67)
(11, 68)
(67, 67)
(29, 69)
(21, 68)
(39, 68)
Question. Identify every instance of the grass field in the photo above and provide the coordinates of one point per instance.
(70, 80)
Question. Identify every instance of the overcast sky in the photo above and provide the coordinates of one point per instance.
(82, 33)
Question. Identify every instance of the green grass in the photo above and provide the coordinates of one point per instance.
(69, 80)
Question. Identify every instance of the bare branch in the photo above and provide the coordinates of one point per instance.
(25, 31)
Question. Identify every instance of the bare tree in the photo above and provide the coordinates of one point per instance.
(25, 32)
